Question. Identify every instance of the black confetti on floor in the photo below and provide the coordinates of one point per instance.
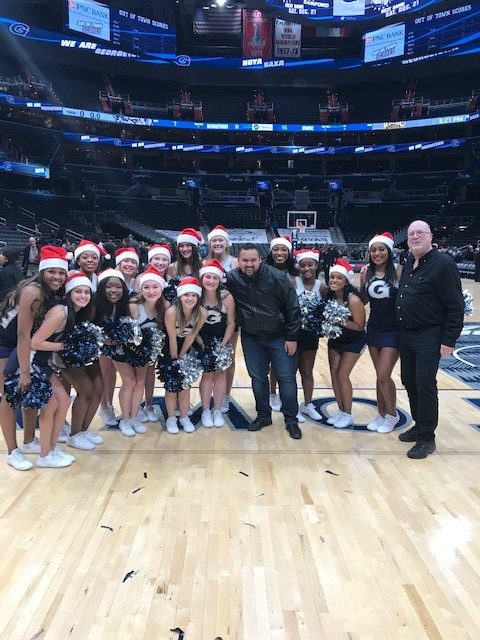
(137, 490)
(259, 495)
(249, 524)
(332, 473)
(105, 526)
(38, 634)
(144, 474)
(181, 632)
(244, 474)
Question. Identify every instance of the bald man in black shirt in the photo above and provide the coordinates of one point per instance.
(430, 311)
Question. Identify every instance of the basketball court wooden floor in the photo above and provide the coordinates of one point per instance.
(239, 536)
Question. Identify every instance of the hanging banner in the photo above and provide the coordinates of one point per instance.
(288, 39)
(257, 34)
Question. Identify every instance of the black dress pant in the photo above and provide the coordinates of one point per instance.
(419, 358)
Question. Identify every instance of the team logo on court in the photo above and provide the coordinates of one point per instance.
(464, 363)
(326, 407)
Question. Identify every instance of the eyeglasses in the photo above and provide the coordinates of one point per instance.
(411, 234)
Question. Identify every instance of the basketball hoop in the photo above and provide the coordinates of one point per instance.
(301, 225)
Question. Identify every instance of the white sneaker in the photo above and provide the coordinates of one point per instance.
(107, 417)
(126, 428)
(138, 426)
(58, 453)
(207, 418)
(141, 415)
(310, 411)
(187, 424)
(18, 461)
(300, 417)
(345, 421)
(389, 423)
(64, 433)
(51, 461)
(275, 402)
(218, 420)
(150, 413)
(172, 425)
(374, 424)
(92, 436)
(225, 404)
(78, 441)
(31, 447)
(335, 417)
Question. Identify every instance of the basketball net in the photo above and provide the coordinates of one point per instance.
(300, 226)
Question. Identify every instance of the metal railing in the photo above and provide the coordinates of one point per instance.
(3, 222)
(21, 228)
(73, 235)
(50, 224)
(27, 213)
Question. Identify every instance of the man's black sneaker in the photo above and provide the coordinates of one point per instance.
(259, 423)
(294, 431)
(421, 450)
(410, 435)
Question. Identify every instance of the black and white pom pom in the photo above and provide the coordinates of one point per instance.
(36, 396)
(149, 350)
(82, 346)
(335, 315)
(469, 303)
(215, 356)
(311, 309)
(122, 330)
(170, 291)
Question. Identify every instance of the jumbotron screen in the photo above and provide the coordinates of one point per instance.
(350, 9)
(124, 29)
(448, 32)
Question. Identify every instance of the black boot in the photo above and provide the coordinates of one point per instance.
(259, 423)
(410, 435)
(294, 431)
(421, 450)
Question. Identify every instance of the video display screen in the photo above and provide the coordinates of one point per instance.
(450, 32)
(347, 10)
(124, 29)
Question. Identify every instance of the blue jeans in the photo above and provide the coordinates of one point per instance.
(259, 354)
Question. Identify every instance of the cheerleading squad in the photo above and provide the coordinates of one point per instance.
(179, 321)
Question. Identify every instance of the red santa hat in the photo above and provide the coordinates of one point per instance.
(189, 285)
(88, 245)
(307, 254)
(385, 238)
(343, 267)
(190, 235)
(284, 241)
(151, 273)
(52, 257)
(77, 279)
(160, 250)
(124, 253)
(219, 232)
(110, 273)
(214, 267)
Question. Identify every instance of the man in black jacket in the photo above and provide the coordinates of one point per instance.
(269, 317)
(430, 311)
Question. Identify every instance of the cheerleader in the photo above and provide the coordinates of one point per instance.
(379, 281)
(219, 249)
(76, 308)
(159, 256)
(307, 285)
(23, 312)
(220, 325)
(148, 309)
(344, 351)
(87, 258)
(183, 321)
(111, 302)
(188, 262)
(280, 257)
(127, 262)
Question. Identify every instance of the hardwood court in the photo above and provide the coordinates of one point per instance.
(336, 536)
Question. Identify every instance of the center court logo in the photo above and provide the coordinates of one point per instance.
(325, 406)
(19, 29)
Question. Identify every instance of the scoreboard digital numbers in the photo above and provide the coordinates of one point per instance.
(125, 30)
